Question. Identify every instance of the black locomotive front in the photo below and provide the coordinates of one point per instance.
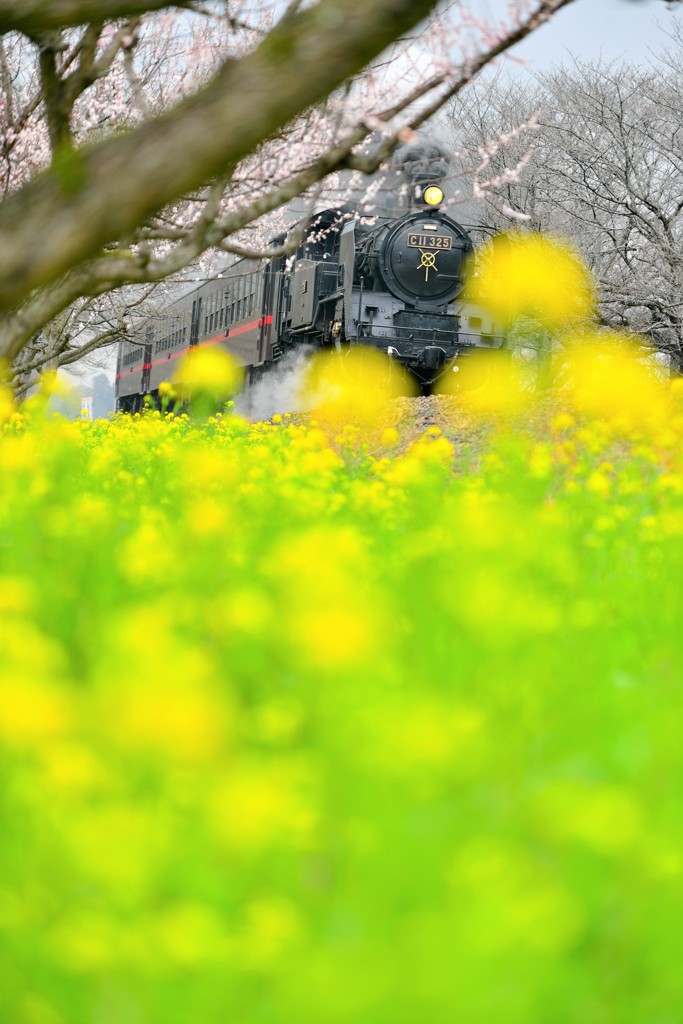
(421, 259)
(406, 277)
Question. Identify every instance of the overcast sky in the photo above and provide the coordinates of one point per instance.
(591, 28)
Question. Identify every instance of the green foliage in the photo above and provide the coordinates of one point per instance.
(290, 735)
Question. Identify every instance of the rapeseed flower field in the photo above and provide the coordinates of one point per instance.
(313, 721)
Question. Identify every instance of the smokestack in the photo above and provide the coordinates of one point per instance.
(422, 162)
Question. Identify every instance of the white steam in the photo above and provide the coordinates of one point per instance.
(279, 390)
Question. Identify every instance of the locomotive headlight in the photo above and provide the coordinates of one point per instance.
(433, 195)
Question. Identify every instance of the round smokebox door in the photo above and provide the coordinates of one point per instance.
(422, 259)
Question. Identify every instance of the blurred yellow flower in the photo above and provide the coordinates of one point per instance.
(608, 375)
(389, 437)
(352, 387)
(561, 422)
(187, 721)
(208, 371)
(30, 712)
(261, 803)
(529, 275)
(17, 594)
(335, 636)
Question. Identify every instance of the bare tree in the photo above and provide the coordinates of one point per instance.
(597, 151)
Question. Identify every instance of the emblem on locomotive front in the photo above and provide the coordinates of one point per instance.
(430, 246)
(428, 261)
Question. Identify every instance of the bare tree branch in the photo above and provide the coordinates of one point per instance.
(34, 17)
(96, 196)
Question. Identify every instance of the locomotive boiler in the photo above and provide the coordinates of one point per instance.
(393, 281)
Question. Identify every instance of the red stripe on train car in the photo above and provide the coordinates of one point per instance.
(264, 321)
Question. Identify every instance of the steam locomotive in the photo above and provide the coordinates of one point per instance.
(391, 282)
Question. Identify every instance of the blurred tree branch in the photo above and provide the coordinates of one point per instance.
(35, 17)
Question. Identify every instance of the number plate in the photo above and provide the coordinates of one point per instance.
(430, 241)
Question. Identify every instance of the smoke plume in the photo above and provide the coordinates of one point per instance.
(425, 160)
(278, 391)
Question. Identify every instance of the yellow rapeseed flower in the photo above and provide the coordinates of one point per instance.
(184, 721)
(208, 371)
(352, 387)
(528, 275)
(31, 712)
(259, 804)
(389, 437)
(608, 377)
